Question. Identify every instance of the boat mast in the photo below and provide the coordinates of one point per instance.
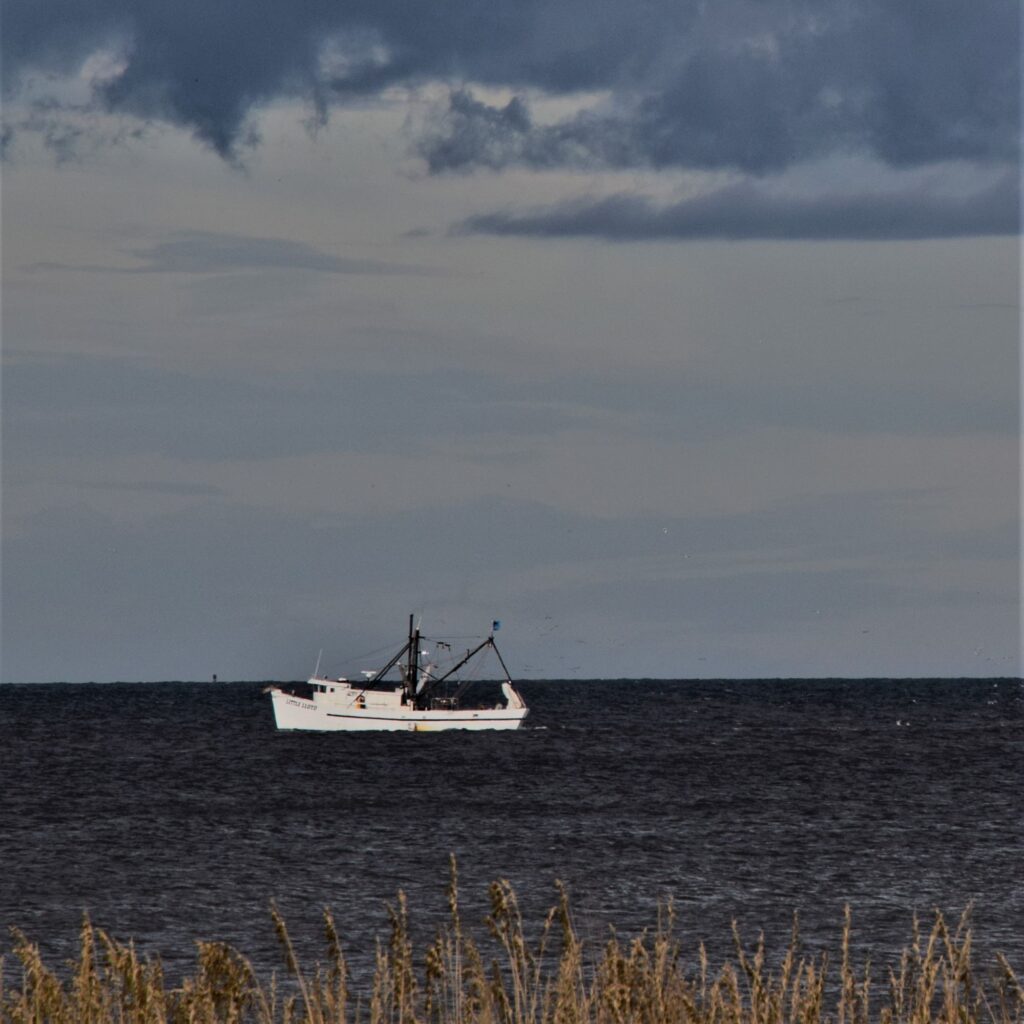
(412, 669)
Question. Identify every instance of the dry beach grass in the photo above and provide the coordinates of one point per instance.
(555, 979)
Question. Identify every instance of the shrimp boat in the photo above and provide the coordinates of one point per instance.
(425, 697)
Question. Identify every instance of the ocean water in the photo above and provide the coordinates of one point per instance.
(173, 812)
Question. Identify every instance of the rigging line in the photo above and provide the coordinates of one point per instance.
(371, 654)
(380, 673)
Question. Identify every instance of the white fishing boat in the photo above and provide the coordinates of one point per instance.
(431, 692)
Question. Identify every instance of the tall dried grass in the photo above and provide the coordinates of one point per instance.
(554, 979)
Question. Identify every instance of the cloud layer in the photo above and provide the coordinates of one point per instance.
(738, 85)
(206, 252)
(746, 212)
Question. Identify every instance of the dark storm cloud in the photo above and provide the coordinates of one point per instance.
(753, 86)
(910, 84)
(747, 212)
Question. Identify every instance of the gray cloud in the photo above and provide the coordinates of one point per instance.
(126, 408)
(907, 86)
(122, 407)
(68, 131)
(177, 490)
(745, 211)
(741, 85)
(208, 252)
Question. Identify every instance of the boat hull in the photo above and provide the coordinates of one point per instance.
(297, 713)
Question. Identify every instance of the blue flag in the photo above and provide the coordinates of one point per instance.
(495, 626)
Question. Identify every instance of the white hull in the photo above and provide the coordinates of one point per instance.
(421, 700)
(291, 712)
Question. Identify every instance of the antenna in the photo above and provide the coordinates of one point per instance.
(316, 671)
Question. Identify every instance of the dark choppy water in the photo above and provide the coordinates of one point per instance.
(175, 811)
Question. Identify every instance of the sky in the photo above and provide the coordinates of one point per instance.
(682, 338)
